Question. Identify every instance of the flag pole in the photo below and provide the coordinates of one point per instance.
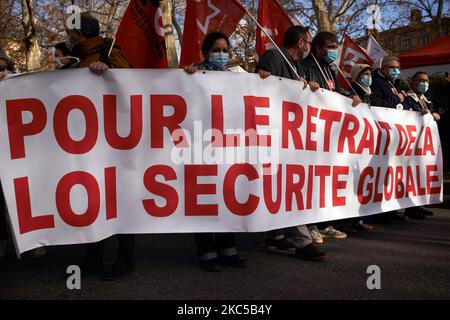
(172, 57)
(321, 71)
(345, 78)
(112, 46)
(273, 42)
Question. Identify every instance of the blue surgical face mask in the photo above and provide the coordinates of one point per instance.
(422, 87)
(219, 59)
(366, 80)
(331, 55)
(394, 73)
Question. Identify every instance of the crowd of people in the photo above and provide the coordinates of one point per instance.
(310, 60)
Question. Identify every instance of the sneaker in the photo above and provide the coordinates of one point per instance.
(279, 245)
(363, 226)
(310, 253)
(233, 261)
(315, 235)
(330, 232)
(39, 253)
(2, 248)
(122, 266)
(210, 265)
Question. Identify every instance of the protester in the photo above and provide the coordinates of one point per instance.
(361, 81)
(92, 50)
(296, 46)
(317, 66)
(63, 59)
(385, 93)
(215, 249)
(7, 68)
(385, 83)
(417, 101)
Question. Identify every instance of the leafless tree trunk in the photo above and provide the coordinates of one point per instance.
(166, 8)
(327, 17)
(32, 49)
(176, 23)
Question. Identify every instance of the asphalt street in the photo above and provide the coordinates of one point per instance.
(414, 258)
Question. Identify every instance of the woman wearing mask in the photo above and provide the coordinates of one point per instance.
(361, 81)
(215, 249)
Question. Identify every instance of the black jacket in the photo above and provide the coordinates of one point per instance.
(383, 93)
(412, 103)
(272, 61)
(311, 72)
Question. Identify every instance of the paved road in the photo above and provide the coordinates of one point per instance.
(414, 258)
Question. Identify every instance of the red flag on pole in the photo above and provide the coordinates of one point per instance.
(275, 21)
(141, 35)
(203, 17)
(351, 54)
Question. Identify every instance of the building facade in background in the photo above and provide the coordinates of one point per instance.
(404, 39)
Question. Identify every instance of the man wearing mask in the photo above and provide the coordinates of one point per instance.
(295, 47)
(417, 101)
(93, 50)
(385, 94)
(317, 65)
(384, 81)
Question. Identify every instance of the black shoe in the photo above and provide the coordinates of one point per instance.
(233, 261)
(91, 266)
(279, 245)
(210, 265)
(398, 216)
(122, 266)
(310, 253)
(425, 211)
(414, 213)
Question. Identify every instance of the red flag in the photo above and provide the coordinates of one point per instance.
(275, 21)
(351, 54)
(141, 36)
(203, 17)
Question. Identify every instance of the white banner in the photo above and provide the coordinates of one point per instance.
(84, 157)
